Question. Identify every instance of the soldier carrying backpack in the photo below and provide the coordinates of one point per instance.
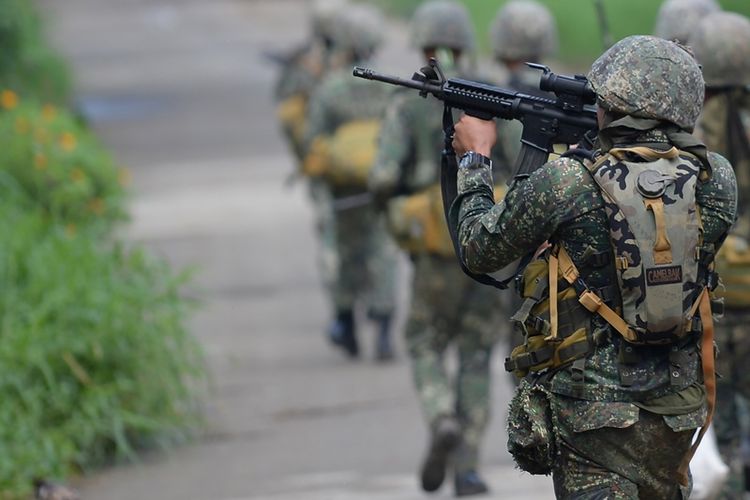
(618, 354)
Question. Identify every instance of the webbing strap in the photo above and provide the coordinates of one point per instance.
(645, 153)
(592, 301)
(552, 276)
(709, 380)
(662, 245)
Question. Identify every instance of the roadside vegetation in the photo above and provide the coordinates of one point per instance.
(95, 359)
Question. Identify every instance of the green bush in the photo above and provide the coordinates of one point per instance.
(27, 63)
(58, 164)
(94, 356)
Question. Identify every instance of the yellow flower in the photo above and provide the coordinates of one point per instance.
(41, 135)
(8, 99)
(40, 161)
(96, 206)
(22, 125)
(70, 230)
(77, 175)
(124, 177)
(49, 112)
(68, 142)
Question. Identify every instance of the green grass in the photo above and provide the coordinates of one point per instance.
(95, 360)
(580, 36)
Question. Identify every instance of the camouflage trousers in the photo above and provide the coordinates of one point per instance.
(733, 343)
(367, 259)
(325, 228)
(599, 450)
(448, 308)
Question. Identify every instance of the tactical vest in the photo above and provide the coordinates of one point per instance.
(662, 267)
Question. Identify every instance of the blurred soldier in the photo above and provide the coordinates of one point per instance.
(341, 139)
(721, 43)
(612, 392)
(447, 307)
(300, 75)
(523, 31)
(677, 19)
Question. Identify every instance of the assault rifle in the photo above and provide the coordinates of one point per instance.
(568, 118)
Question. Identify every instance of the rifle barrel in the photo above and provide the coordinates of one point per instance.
(370, 74)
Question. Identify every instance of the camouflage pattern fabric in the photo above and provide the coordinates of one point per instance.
(677, 19)
(447, 308)
(443, 24)
(721, 42)
(648, 77)
(733, 345)
(560, 202)
(653, 295)
(523, 30)
(366, 256)
(732, 334)
(298, 79)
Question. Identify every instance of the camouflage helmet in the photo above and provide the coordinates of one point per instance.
(323, 14)
(649, 77)
(523, 30)
(442, 24)
(721, 43)
(358, 28)
(678, 18)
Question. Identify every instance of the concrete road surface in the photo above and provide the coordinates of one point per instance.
(178, 89)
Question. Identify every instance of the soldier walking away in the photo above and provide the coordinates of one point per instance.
(300, 75)
(340, 142)
(677, 19)
(721, 42)
(523, 31)
(618, 353)
(447, 308)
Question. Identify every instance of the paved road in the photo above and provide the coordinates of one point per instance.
(180, 93)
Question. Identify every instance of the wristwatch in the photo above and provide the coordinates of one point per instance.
(474, 159)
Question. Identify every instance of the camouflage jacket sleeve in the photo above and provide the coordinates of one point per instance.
(493, 236)
(394, 149)
(320, 121)
(718, 199)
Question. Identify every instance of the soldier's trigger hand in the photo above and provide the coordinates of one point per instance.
(474, 134)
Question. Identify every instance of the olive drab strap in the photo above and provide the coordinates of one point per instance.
(553, 271)
(709, 380)
(590, 300)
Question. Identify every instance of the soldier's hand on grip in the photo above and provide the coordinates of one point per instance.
(474, 134)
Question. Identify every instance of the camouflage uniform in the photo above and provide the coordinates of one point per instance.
(299, 76)
(367, 257)
(447, 307)
(617, 424)
(722, 45)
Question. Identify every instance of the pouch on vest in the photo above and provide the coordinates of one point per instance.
(655, 232)
(733, 265)
(352, 152)
(539, 351)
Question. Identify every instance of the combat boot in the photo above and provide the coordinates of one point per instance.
(384, 347)
(469, 483)
(446, 436)
(342, 333)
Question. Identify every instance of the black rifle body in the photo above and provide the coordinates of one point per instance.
(569, 118)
